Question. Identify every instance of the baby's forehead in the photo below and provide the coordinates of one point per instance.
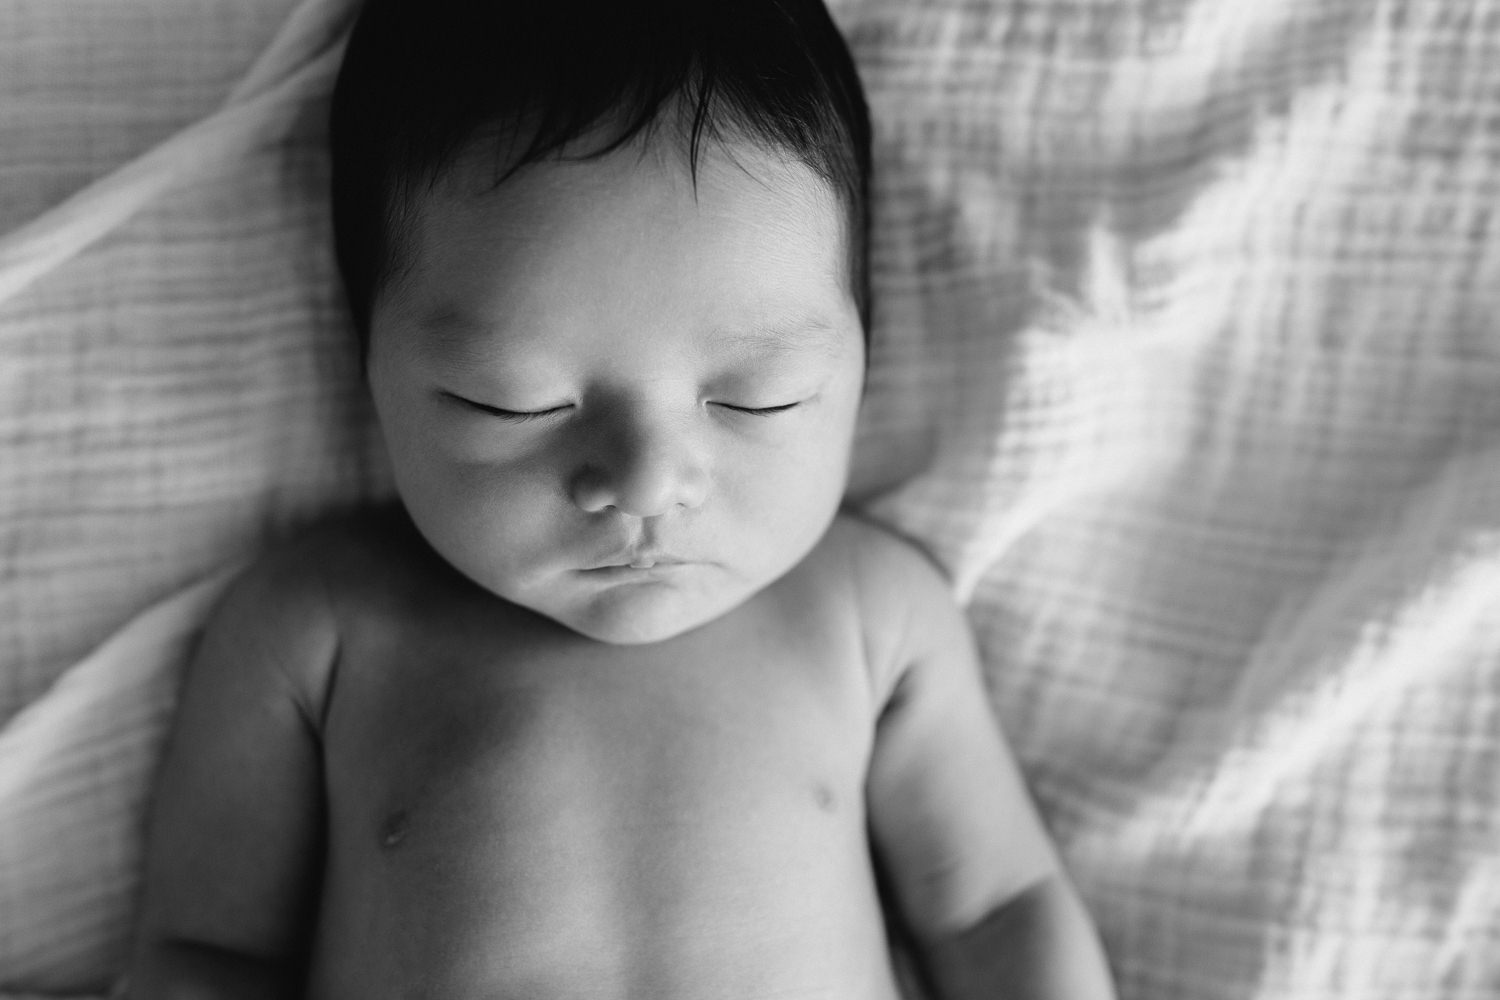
(485, 176)
(462, 345)
(730, 192)
(745, 256)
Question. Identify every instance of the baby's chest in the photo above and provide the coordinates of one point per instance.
(542, 745)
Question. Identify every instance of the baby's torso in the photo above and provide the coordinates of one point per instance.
(516, 813)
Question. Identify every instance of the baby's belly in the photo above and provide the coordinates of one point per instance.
(607, 857)
(602, 930)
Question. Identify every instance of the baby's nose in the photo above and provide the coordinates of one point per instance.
(643, 472)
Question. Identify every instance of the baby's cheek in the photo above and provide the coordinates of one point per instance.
(482, 517)
(790, 501)
(468, 438)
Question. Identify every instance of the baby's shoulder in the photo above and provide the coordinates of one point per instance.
(285, 615)
(902, 596)
(328, 564)
(890, 572)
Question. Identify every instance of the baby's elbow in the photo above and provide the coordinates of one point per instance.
(953, 901)
(1038, 943)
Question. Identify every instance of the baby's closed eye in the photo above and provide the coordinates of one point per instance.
(518, 415)
(760, 411)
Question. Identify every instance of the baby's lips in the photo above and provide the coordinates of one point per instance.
(640, 559)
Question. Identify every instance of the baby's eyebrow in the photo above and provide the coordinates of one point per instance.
(785, 336)
(452, 338)
(455, 338)
(446, 325)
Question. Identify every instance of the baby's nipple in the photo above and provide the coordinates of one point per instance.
(393, 830)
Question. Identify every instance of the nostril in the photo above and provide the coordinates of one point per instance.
(647, 479)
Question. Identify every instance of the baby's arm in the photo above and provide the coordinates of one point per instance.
(235, 836)
(974, 873)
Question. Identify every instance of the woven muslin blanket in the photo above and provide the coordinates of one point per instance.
(1184, 365)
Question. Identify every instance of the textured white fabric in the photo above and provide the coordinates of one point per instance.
(1185, 366)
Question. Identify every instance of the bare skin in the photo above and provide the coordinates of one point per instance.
(511, 810)
(574, 819)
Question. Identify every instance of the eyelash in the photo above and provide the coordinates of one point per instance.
(761, 411)
(526, 416)
(513, 416)
(520, 416)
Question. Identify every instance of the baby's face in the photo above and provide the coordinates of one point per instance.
(616, 400)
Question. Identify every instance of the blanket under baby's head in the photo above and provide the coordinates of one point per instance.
(1183, 365)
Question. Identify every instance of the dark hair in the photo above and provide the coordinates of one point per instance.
(424, 80)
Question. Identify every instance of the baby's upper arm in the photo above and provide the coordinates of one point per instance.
(951, 818)
(235, 836)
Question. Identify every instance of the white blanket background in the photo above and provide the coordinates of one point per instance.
(1186, 366)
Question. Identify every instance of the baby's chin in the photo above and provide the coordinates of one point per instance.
(635, 632)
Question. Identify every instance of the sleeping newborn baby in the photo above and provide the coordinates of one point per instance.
(616, 703)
